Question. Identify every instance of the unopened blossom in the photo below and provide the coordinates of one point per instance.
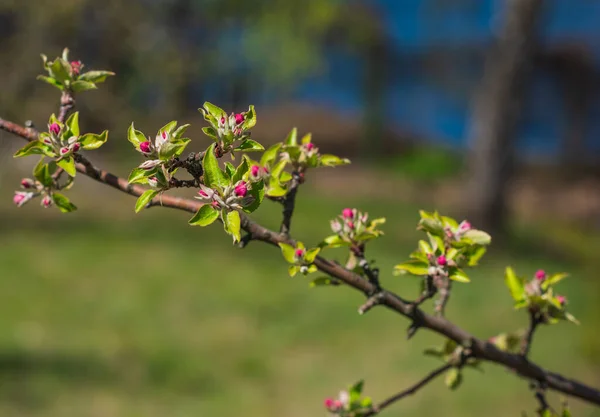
(464, 226)
(64, 151)
(21, 198)
(75, 147)
(241, 189)
(328, 403)
(46, 202)
(27, 183)
(336, 226)
(239, 118)
(54, 128)
(310, 146)
(76, 67)
(146, 147)
(347, 213)
(442, 261)
(540, 275)
(299, 252)
(561, 299)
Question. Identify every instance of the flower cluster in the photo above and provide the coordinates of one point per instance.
(349, 402)
(300, 258)
(232, 197)
(537, 295)
(353, 228)
(305, 154)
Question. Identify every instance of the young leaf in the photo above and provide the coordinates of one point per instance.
(456, 274)
(214, 111)
(334, 241)
(249, 145)
(332, 160)
(232, 225)
(515, 284)
(135, 136)
(322, 281)
(43, 172)
(292, 138)
(60, 69)
(51, 81)
(412, 267)
(210, 132)
(288, 252)
(250, 121)
(453, 378)
(240, 171)
(35, 148)
(425, 247)
(213, 175)
(91, 141)
(95, 76)
(270, 154)
(80, 86)
(139, 175)
(356, 390)
(553, 279)
(144, 199)
(204, 216)
(63, 203)
(293, 270)
(311, 254)
(478, 237)
(68, 164)
(258, 192)
(73, 123)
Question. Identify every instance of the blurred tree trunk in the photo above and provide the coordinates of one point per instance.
(497, 104)
(376, 62)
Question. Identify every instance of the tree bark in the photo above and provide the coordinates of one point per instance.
(495, 114)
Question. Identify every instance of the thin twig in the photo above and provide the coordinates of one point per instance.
(67, 103)
(409, 391)
(444, 290)
(481, 349)
(534, 321)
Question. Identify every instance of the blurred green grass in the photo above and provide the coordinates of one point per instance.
(123, 315)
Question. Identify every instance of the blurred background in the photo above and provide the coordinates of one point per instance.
(484, 109)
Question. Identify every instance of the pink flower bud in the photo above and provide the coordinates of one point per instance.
(203, 193)
(561, 299)
(351, 225)
(222, 120)
(27, 183)
(164, 135)
(241, 189)
(265, 169)
(54, 128)
(239, 118)
(442, 261)
(76, 67)
(540, 275)
(347, 213)
(64, 150)
(254, 170)
(299, 252)
(146, 147)
(215, 205)
(337, 404)
(309, 146)
(76, 146)
(19, 199)
(328, 403)
(46, 202)
(464, 226)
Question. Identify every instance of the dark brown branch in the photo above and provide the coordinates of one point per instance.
(409, 391)
(481, 349)
(289, 203)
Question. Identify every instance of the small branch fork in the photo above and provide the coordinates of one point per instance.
(289, 202)
(534, 322)
(480, 349)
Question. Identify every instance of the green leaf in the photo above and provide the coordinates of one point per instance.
(80, 86)
(288, 252)
(43, 172)
(140, 176)
(229, 169)
(515, 285)
(453, 378)
(311, 254)
(232, 225)
(456, 274)
(449, 221)
(412, 267)
(210, 132)
(135, 136)
(334, 241)
(425, 247)
(571, 318)
(553, 279)
(478, 237)
(170, 149)
(258, 192)
(68, 164)
(35, 148)
(322, 281)
(168, 128)
(214, 111)
(356, 390)
(91, 141)
(476, 255)
(249, 145)
(435, 352)
(239, 173)
(73, 123)
(366, 402)
(60, 70)
(292, 138)
(95, 76)
(432, 226)
(178, 133)
(275, 189)
(270, 154)
(63, 203)
(206, 215)
(293, 270)
(144, 199)
(51, 81)
(213, 175)
(250, 121)
(332, 160)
